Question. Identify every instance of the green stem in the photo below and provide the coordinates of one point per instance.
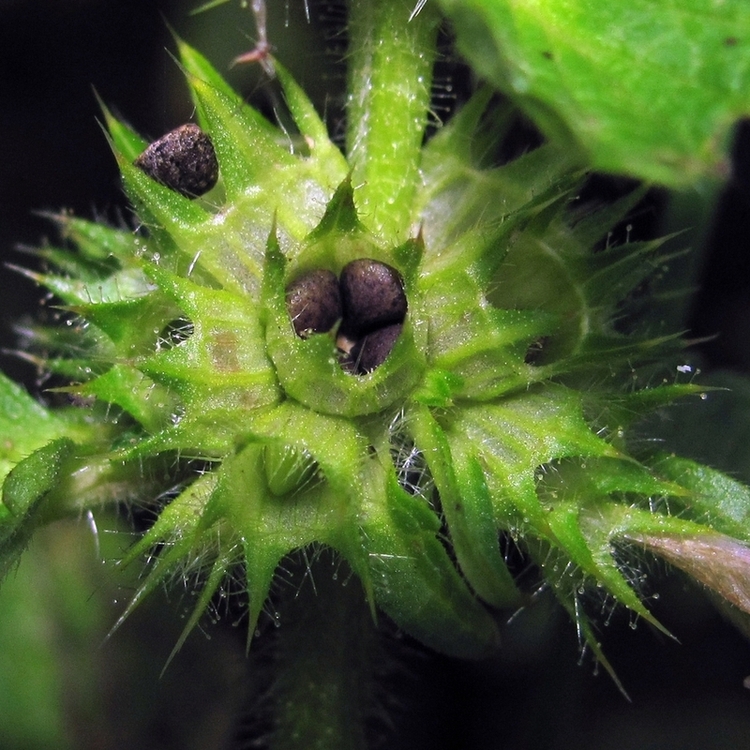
(324, 663)
(390, 78)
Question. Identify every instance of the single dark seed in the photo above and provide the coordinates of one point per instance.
(373, 296)
(371, 351)
(314, 302)
(535, 352)
(183, 160)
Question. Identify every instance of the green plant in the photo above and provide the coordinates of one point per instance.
(497, 426)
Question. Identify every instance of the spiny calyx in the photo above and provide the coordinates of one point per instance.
(449, 444)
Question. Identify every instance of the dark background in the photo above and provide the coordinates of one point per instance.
(54, 157)
(54, 55)
(54, 154)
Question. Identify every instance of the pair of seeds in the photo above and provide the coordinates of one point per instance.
(368, 298)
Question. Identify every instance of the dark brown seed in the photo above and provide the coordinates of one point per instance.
(184, 160)
(371, 351)
(535, 352)
(314, 302)
(373, 296)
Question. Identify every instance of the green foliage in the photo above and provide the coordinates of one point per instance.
(648, 89)
(498, 425)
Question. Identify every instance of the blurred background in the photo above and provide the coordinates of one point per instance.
(64, 685)
(57, 55)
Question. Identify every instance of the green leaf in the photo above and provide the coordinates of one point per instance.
(25, 426)
(24, 491)
(719, 501)
(270, 526)
(246, 143)
(458, 196)
(196, 65)
(389, 537)
(164, 207)
(649, 88)
(35, 476)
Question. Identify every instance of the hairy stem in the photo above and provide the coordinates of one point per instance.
(390, 77)
(324, 669)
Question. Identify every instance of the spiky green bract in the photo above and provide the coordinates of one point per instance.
(474, 433)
